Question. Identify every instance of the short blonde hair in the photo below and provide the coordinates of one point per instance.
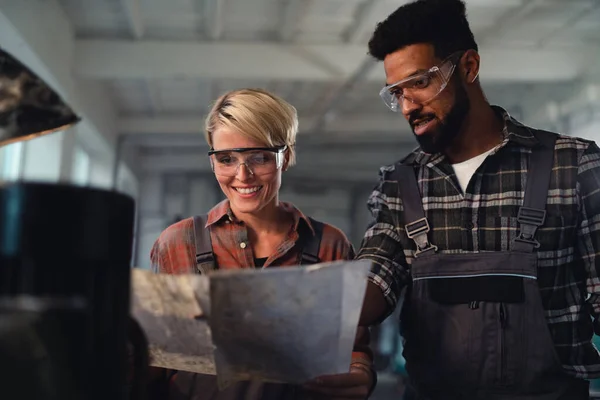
(257, 114)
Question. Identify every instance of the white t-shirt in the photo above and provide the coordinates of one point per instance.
(464, 170)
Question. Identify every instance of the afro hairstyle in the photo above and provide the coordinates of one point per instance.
(441, 23)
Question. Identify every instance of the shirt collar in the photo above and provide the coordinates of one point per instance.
(514, 132)
(223, 212)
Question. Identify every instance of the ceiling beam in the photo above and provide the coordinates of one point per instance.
(192, 124)
(114, 59)
(133, 12)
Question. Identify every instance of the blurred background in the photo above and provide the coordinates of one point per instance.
(143, 74)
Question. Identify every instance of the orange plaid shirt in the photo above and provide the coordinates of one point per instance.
(174, 252)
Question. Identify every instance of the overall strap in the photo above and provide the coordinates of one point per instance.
(205, 259)
(417, 226)
(532, 213)
(312, 244)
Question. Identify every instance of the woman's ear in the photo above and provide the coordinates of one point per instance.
(286, 160)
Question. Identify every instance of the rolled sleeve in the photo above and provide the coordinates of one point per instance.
(174, 250)
(381, 243)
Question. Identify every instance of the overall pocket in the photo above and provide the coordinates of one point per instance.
(469, 321)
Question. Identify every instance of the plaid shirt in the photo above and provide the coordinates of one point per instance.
(485, 219)
(174, 252)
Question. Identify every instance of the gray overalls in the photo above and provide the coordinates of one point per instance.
(474, 324)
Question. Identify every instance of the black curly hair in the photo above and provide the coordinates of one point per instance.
(442, 23)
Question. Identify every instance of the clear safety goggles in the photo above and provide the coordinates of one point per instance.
(421, 88)
(258, 160)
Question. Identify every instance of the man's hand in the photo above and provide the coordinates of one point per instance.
(356, 384)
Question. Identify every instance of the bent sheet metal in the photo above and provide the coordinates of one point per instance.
(174, 323)
(287, 324)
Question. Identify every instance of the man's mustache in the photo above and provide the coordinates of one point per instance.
(417, 116)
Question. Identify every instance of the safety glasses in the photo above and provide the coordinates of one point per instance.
(258, 160)
(422, 87)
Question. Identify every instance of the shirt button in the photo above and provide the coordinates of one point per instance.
(469, 226)
(243, 245)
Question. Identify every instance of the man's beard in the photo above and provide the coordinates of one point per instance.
(449, 128)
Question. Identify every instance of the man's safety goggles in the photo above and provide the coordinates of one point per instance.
(422, 87)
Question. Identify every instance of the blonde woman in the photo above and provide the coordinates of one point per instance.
(252, 137)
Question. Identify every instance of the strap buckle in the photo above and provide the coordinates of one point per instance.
(204, 263)
(417, 231)
(530, 219)
(531, 216)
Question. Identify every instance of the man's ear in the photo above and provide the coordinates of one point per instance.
(470, 63)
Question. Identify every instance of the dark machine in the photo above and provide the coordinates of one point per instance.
(65, 254)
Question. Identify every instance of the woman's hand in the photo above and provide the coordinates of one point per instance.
(356, 384)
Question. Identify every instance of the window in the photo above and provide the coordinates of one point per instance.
(11, 161)
(80, 171)
(101, 174)
(42, 158)
(126, 181)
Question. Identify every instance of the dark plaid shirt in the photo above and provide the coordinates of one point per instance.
(485, 219)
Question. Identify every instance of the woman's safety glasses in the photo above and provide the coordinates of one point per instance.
(420, 88)
(258, 160)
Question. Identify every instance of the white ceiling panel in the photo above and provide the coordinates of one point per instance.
(251, 20)
(157, 8)
(173, 19)
(330, 18)
(97, 18)
(183, 95)
(586, 28)
(131, 96)
(559, 12)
